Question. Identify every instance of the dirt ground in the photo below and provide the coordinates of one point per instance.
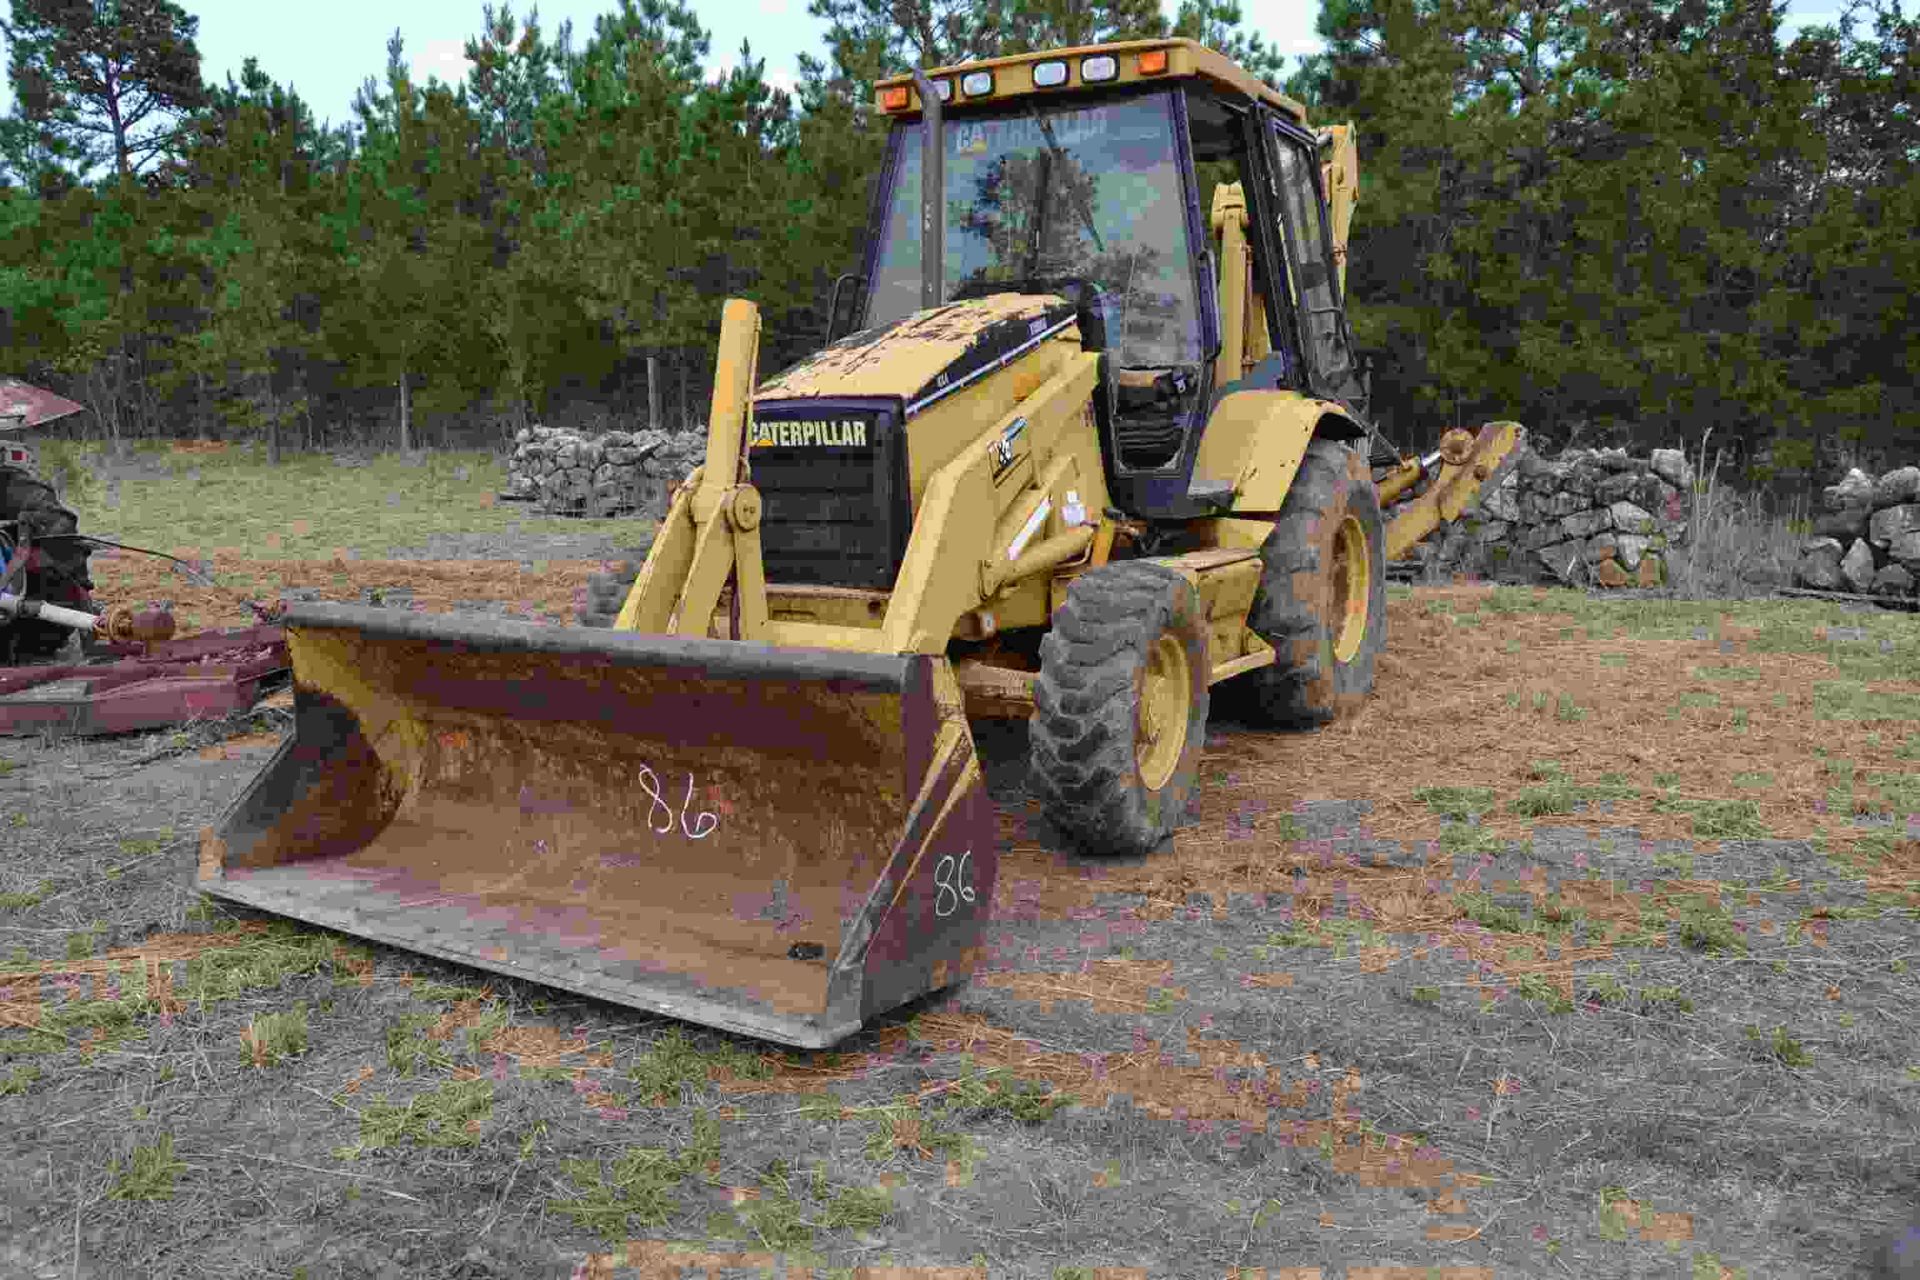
(1585, 949)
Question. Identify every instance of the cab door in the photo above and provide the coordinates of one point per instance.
(1299, 207)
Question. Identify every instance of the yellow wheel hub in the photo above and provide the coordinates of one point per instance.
(1352, 576)
(1166, 703)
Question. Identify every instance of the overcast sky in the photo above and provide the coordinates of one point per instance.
(325, 50)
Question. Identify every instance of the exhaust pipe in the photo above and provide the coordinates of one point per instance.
(933, 204)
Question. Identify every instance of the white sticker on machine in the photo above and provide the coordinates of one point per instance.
(1031, 527)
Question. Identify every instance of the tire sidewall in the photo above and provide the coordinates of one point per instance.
(1085, 728)
(1352, 680)
(1168, 806)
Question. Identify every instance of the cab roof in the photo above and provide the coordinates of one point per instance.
(1012, 76)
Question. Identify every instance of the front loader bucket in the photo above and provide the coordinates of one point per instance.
(780, 842)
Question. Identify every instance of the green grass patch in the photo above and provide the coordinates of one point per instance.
(1717, 819)
(1339, 933)
(22, 900)
(18, 1080)
(1603, 988)
(998, 1092)
(1535, 987)
(448, 993)
(259, 961)
(234, 499)
(410, 1050)
(1728, 672)
(275, 1037)
(1707, 928)
(453, 1115)
(1484, 911)
(1554, 793)
(1458, 804)
(149, 1173)
(1851, 700)
(675, 1065)
(1659, 999)
(1680, 864)
(1780, 1046)
(1554, 919)
(636, 1187)
(1898, 794)
(790, 1209)
(147, 846)
(1466, 838)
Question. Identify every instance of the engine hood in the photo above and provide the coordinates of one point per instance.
(926, 355)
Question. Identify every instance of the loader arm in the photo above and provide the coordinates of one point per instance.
(710, 534)
(1464, 467)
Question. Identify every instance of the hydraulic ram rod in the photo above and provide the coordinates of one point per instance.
(118, 623)
(13, 606)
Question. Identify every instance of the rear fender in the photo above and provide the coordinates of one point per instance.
(1255, 440)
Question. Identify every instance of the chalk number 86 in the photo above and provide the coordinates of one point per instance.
(954, 882)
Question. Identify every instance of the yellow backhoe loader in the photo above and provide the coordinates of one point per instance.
(1095, 455)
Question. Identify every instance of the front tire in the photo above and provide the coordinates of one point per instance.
(1120, 707)
(1322, 599)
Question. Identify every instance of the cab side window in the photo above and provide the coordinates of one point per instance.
(1310, 260)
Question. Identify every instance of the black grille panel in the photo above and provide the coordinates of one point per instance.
(833, 474)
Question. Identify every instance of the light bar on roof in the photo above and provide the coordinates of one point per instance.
(1049, 75)
(1101, 66)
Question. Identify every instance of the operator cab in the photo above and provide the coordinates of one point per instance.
(1102, 194)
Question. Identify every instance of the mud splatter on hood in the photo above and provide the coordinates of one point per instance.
(921, 357)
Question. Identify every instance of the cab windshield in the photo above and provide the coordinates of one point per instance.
(1042, 193)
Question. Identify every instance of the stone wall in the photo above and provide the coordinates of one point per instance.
(1867, 540)
(619, 473)
(1586, 517)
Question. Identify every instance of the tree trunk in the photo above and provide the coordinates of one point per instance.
(273, 424)
(653, 393)
(406, 417)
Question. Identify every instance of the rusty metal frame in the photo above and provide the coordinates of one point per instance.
(205, 676)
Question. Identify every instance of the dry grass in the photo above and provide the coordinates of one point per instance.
(170, 495)
(1736, 543)
(535, 590)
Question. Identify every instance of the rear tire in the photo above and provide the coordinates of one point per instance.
(1120, 707)
(57, 570)
(1322, 599)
